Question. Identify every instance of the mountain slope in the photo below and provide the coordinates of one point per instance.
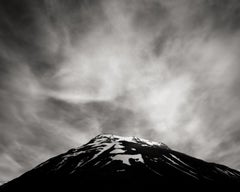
(111, 162)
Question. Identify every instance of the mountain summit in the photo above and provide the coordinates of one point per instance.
(110, 163)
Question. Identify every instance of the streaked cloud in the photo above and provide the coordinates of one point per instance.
(161, 70)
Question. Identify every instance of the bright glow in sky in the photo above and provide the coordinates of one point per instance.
(163, 70)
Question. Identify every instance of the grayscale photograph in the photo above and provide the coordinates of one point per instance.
(119, 95)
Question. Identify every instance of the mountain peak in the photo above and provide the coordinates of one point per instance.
(110, 138)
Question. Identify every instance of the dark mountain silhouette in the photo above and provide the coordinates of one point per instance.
(112, 163)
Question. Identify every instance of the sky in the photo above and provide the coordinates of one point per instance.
(163, 70)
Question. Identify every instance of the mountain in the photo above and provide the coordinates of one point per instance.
(111, 163)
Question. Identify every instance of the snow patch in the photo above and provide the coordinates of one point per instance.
(117, 151)
(143, 142)
(181, 161)
(170, 160)
(106, 147)
(126, 157)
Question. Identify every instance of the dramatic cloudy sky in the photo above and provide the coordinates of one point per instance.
(164, 70)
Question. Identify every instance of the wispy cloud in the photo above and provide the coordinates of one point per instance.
(162, 70)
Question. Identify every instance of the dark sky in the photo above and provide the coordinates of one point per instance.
(164, 70)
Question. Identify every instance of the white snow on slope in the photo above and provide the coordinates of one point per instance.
(117, 151)
(227, 172)
(179, 160)
(144, 142)
(170, 160)
(104, 148)
(126, 157)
